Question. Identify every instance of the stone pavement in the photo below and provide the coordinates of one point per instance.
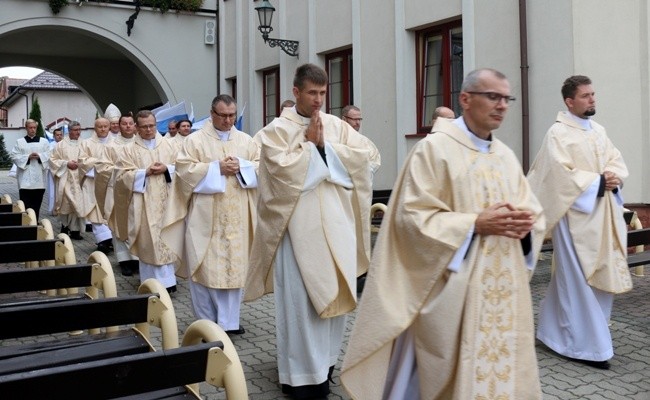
(629, 377)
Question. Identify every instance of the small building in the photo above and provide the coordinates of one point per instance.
(60, 101)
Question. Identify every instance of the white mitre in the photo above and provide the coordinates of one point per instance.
(112, 113)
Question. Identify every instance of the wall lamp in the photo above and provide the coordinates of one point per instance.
(265, 14)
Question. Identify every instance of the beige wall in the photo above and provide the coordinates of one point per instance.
(563, 39)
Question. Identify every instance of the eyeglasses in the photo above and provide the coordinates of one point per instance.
(225, 116)
(353, 119)
(151, 126)
(495, 97)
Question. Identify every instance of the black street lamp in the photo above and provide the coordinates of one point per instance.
(265, 14)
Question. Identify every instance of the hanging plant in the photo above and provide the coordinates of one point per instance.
(180, 5)
(57, 5)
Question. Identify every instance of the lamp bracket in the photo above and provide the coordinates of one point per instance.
(288, 46)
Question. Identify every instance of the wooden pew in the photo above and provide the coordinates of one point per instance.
(143, 376)
(109, 364)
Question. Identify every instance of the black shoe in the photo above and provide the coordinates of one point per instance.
(125, 268)
(311, 392)
(239, 331)
(171, 289)
(75, 235)
(105, 246)
(64, 229)
(595, 364)
(89, 227)
(134, 265)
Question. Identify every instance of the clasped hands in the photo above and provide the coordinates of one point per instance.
(33, 156)
(229, 166)
(611, 180)
(314, 132)
(504, 220)
(156, 168)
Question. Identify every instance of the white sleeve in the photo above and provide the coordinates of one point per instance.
(246, 176)
(338, 173)
(586, 202)
(317, 170)
(213, 181)
(140, 181)
(459, 256)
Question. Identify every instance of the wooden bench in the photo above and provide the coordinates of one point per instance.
(78, 367)
(152, 375)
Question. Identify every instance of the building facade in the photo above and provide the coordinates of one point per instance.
(398, 59)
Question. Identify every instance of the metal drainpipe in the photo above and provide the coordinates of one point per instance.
(525, 121)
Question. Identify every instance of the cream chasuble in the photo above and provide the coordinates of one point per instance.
(210, 225)
(91, 154)
(66, 181)
(116, 217)
(317, 220)
(146, 205)
(473, 329)
(570, 160)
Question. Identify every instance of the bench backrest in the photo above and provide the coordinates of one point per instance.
(28, 250)
(114, 377)
(53, 317)
(11, 218)
(18, 233)
(17, 280)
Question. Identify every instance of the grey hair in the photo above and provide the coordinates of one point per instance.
(473, 79)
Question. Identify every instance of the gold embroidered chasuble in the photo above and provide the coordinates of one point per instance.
(146, 210)
(328, 263)
(116, 217)
(90, 155)
(215, 245)
(569, 161)
(473, 329)
(66, 181)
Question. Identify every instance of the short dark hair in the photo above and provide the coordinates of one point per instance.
(309, 72)
(223, 98)
(143, 114)
(57, 129)
(570, 85)
(128, 115)
(178, 124)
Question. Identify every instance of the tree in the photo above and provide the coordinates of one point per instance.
(5, 159)
(35, 114)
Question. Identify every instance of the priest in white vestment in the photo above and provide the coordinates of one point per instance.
(30, 155)
(67, 187)
(578, 176)
(117, 214)
(211, 213)
(447, 312)
(143, 177)
(90, 154)
(312, 238)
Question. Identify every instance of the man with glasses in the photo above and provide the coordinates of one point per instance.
(91, 154)
(211, 214)
(352, 115)
(65, 170)
(578, 177)
(447, 296)
(313, 237)
(144, 171)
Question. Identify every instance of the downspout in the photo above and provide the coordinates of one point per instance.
(525, 121)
